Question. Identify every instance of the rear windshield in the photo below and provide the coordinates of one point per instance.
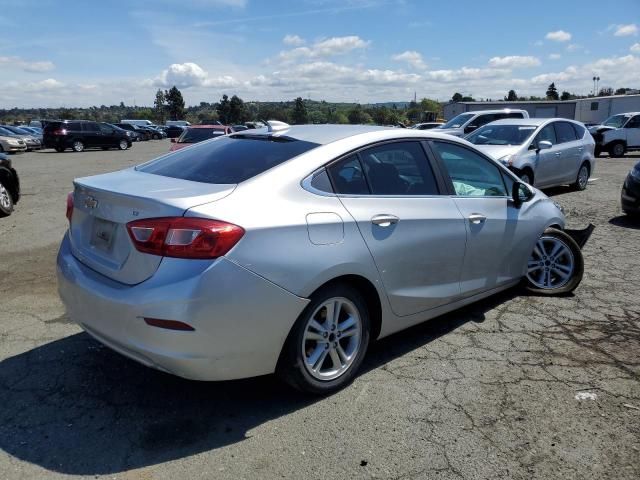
(227, 160)
(195, 135)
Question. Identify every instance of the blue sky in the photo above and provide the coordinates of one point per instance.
(79, 53)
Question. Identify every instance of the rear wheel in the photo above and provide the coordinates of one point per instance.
(328, 342)
(6, 201)
(78, 146)
(583, 177)
(123, 145)
(617, 149)
(556, 265)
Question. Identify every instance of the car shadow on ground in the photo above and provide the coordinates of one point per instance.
(75, 407)
(626, 221)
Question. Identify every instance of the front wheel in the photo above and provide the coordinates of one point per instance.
(6, 201)
(582, 178)
(328, 342)
(78, 146)
(556, 265)
(617, 149)
(123, 145)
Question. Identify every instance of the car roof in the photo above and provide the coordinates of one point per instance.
(320, 134)
(216, 127)
(499, 110)
(528, 121)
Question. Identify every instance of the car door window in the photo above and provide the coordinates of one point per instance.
(91, 127)
(579, 129)
(634, 122)
(347, 177)
(564, 132)
(482, 120)
(106, 129)
(471, 174)
(548, 134)
(399, 168)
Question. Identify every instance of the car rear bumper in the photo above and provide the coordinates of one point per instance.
(241, 320)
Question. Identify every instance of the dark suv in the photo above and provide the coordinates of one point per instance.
(81, 134)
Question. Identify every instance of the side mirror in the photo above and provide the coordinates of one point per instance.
(544, 145)
(173, 140)
(521, 193)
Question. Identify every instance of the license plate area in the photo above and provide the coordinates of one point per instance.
(102, 234)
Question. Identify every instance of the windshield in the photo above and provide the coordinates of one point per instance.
(195, 135)
(458, 121)
(7, 133)
(617, 121)
(16, 130)
(501, 134)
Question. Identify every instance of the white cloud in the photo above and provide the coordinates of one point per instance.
(325, 48)
(42, 85)
(573, 47)
(293, 40)
(514, 61)
(186, 75)
(411, 57)
(626, 30)
(558, 36)
(555, 56)
(635, 48)
(25, 65)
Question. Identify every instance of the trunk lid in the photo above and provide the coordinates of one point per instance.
(104, 204)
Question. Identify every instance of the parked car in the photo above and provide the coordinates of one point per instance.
(198, 133)
(133, 135)
(140, 123)
(239, 128)
(427, 125)
(177, 123)
(630, 196)
(290, 248)
(467, 122)
(544, 152)
(34, 130)
(10, 142)
(617, 134)
(174, 131)
(31, 141)
(9, 186)
(142, 133)
(153, 133)
(82, 134)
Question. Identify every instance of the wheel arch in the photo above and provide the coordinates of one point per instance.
(9, 182)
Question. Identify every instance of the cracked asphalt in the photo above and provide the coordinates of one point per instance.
(512, 387)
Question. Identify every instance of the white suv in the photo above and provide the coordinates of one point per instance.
(617, 134)
(467, 122)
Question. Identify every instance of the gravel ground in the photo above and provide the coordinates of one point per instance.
(515, 386)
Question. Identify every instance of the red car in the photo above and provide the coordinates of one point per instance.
(198, 133)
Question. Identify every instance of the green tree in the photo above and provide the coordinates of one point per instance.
(237, 110)
(552, 92)
(160, 107)
(565, 95)
(621, 91)
(356, 115)
(457, 97)
(175, 103)
(224, 109)
(299, 114)
(512, 96)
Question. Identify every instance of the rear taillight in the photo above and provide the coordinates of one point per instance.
(59, 131)
(69, 206)
(184, 237)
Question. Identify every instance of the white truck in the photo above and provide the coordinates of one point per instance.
(617, 134)
(140, 123)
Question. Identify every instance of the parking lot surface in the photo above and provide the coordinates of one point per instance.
(515, 386)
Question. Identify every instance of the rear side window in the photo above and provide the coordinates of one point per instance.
(634, 122)
(91, 127)
(348, 178)
(72, 126)
(399, 168)
(565, 132)
(227, 160)
(579, 129)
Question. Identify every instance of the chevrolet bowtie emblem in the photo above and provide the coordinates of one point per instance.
(90, 202)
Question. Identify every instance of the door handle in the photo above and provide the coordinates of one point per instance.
(477, 218)
(557, 154)
(384, 220)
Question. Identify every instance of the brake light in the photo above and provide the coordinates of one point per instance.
(184, 237)
(69, 206)
(59, 131)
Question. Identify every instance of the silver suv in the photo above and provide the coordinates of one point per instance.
(467, 122)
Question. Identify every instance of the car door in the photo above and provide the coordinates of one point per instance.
(107, 136)
(495, 240)
(544, 161)
(415, 234)
(91, 134)
(632, 129)
(568, 162)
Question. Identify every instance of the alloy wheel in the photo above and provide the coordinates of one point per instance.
(332, 339)
(78, 146)
(5, 200)
(123, 145)
(583, 177)
(551, 264)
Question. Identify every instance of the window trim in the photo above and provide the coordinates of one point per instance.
(439, 178)
(449, 182)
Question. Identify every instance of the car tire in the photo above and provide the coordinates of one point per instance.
(556, 265)
(618, 149)
(60, 149)
(6, 201)
(77, 146)
(123, 145)
(526, 176)
(582, 179)
(315, 344)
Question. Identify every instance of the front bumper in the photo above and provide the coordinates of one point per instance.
(630, 195)
(241, 320)
(14, 148)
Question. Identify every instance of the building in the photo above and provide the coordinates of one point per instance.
(587, 110)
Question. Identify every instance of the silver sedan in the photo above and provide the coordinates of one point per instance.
(544, 152)
(290, 249)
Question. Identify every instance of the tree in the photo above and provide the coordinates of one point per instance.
(512, 96)
(622, 91)
(160, 106)
(224, 109)
(237, 110)
(175, 103)
(552, 92)
(299, 114)
(356, 115)
(565, 96)
(605, 92)
(457, 97)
